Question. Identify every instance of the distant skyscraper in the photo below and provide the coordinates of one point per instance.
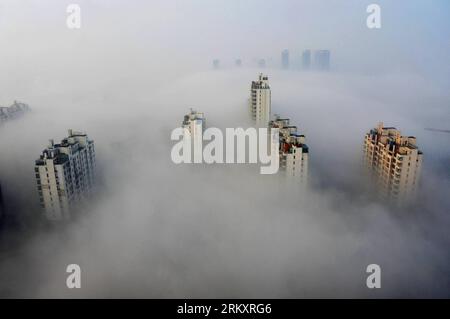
(285, 59)
(260, 101)
(238, 62)
(216, 64)
(65, 175)
(306, 60)
(294, 152)
(262, 63)
(394, 161)
(322, 60)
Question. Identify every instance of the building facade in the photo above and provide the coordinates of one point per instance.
(260, 101)
(16, 110)
(294, 153)
(306, 60)
(195, 123)
(322, 60)
(65, 175)
(394, 161)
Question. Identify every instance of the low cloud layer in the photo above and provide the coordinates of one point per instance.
(156, 229)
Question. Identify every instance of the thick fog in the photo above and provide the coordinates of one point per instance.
(157, 229)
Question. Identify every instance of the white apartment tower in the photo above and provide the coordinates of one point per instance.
(65, 174)
(394, 161)
(2, 206)
(260, 101)
(293, 151)
(195, 123)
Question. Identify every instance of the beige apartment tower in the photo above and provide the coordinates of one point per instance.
(65, 175)
(394, 161)
(260, 101)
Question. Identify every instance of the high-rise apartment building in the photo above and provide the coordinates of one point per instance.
(15, 110)
(285, 59)
(394, 161)
(65, 174)
(294, 153)
(195, 123)
(306, 60)
(260, 101)
(322, 60)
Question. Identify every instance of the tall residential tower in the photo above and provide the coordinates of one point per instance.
(260, 101)
(195, 123)
(294, 152)
(65, 174)
(394, 161)
(15, 110)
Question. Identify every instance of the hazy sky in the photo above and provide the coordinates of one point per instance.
(127, 36)
(156, 229)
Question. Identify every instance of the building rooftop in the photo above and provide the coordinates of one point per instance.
(57, 152)
(391, 138)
